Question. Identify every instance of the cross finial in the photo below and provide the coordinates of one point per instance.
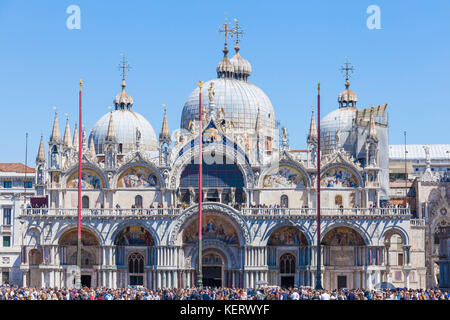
(124, 66)
(164, 106)
(226, 31)
(347, 67)
(237, 33)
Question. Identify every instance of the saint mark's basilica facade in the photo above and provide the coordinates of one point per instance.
(140, 195)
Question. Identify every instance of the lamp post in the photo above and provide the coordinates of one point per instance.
(318, 272)
(200, 189)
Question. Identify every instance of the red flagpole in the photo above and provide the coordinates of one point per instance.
(318, 274)
(80, 150)
(200, 188)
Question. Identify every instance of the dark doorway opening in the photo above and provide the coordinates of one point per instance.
(287, 281)
(85, 281)
(212, 276)
(136, 280)
(341, 282)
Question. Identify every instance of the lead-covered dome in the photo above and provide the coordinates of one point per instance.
(239, 99)
(128, 127)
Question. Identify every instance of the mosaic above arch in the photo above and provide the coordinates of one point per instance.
(343, 236)
(134, 236)
(89, 180)
(284, 176)
(137, 177)
(339, 177)
(214, 228)
(287, 236)
(70, 238)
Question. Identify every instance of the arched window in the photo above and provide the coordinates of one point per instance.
(215, 175)
(287, 264)
(284, 201)
(85, 202)
(135, 263)
(138, 201)
(136, 269)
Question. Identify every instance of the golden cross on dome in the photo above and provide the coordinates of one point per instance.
(226, 31)
(237, 32)
(348, 67)
(124, 66)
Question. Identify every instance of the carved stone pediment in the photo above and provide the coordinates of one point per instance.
(340, 156)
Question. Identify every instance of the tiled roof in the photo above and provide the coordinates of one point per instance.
(15, 167)
(416, 151)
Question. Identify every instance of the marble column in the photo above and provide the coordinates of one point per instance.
(406, 273)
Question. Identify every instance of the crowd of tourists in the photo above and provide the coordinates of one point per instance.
(208, 293)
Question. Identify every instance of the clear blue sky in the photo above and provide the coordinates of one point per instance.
(171, 45)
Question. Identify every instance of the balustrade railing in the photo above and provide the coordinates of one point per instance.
(69, 212)
(326, 211)
(118, 212)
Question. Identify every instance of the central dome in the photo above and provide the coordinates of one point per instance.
(240, 100)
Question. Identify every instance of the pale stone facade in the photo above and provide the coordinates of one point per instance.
(140, 209)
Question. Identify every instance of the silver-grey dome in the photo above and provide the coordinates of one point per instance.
(126, 124)
(240, 101)
(340, 122)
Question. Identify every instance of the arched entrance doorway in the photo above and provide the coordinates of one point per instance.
(287, 249)
(135, 251)
(344, 250)
(221, 245)
(89, 255)
(212, 269)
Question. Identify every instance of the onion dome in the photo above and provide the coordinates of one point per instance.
(347, 98)
(123, 100)
(242, 68)
(225, 68)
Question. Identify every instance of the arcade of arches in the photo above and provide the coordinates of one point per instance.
(288, 258)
